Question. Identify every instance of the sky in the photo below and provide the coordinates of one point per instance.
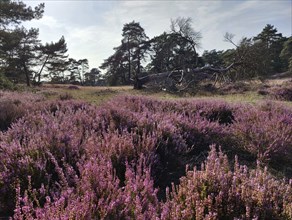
(93, 28)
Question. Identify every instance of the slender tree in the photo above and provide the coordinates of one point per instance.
(52, 57)
(135, 42)
(126, 63)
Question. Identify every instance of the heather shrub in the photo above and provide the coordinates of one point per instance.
(65, 96)
(216, 192)
(222, 114)
(52, 151)
(72, 160)
(99, 196)
(284, 94)
(9, 112)
(186, 129)
(120, 147)
(183, 130)
(46, 146)
(140, 199)
(14, 105)
(235, 88)
(264, 131)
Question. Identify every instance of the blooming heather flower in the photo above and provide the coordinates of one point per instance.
(127, 160)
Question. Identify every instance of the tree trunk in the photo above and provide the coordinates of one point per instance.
(26, 75)
(129, 60)
(40, 72)
(138, 84)
(180, 74)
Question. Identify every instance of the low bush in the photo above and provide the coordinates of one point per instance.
(283, 94)
(214, 192)
(69, 159)
(264, 131)
(9, 112)
(72, 87)
(235, 88)
(6, 84)
(14, 105)
(65, 96)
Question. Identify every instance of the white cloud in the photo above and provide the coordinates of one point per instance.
(93, 28)
(94, 43)
(50, 28)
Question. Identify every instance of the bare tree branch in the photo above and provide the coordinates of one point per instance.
(228, 37)
(205, 71)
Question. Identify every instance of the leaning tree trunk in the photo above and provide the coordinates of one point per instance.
(41, 70)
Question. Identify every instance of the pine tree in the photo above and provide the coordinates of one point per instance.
(17, 45)
(125, 64)
(52, 56)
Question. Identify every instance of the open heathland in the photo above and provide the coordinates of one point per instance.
(143, 157)
(161, 128)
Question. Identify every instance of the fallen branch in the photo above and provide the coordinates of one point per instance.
(179, 75)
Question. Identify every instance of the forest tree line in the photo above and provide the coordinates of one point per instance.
(24, 59)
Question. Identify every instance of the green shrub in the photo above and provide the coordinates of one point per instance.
(65, 96)
(6, 84)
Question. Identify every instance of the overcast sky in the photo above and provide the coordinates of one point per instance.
(92, 28)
